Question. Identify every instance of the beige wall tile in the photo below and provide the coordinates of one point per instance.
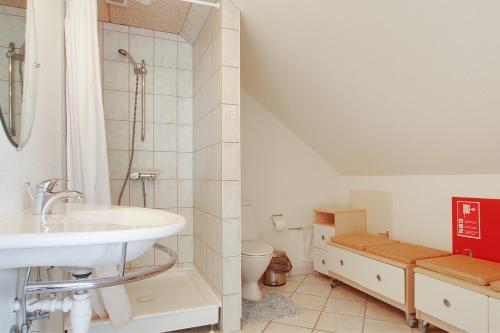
(230, 85)
(230, 55)
(231, 234)
(231, 199)
(231, 313)
(231, 275)
(231, 161)
(230, 15)
(115, 75)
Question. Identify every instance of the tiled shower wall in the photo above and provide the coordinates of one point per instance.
(217, 190)
(168, 146)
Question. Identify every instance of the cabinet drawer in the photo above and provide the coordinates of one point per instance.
(494, 308)
(457, 306)
(322, 235)
(385, 279)
(345, 263)
(320, 261)
(380, 277)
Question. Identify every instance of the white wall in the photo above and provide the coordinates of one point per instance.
(422, 204)
(282, 175)
(42, 157)
(381, 87)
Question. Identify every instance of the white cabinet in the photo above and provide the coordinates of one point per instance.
(384, 279)
(320, 261)
(494, 309)
(330, 222)
(452, 304)
(322, 234)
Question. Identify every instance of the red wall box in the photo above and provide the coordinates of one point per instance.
(476, 227)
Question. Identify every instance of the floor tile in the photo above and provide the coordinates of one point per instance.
(317, 289)
(345, 306)
(381, 311)
(347, 292)
(317, 278)
(377, 326)
(297, 277)
(280, 328)
(309, 302)
(332, 322)
(254, 328)
(307, 319)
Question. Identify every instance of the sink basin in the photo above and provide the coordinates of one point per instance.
(81, 235)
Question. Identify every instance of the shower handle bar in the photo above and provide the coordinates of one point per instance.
(143, 112)
(12, 116)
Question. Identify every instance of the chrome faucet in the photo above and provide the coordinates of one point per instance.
(47, 208)
(45, 197)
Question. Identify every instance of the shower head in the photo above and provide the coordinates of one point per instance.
(126, 54)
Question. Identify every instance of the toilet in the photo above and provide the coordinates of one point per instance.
(255, 256)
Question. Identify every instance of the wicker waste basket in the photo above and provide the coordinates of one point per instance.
(278, 267)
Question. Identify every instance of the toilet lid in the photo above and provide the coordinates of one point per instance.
(256, 248)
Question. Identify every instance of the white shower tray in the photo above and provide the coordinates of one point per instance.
(170, 301)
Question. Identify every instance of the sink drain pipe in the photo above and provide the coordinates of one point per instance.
(79, 306)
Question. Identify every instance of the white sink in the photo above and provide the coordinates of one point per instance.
(80, 235)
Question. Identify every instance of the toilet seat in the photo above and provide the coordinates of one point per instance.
(256, 248)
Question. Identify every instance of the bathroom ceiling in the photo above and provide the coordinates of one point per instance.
(161, 15)
(382, 87)
(14, 3)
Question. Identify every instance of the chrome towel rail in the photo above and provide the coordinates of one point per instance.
(101, 282)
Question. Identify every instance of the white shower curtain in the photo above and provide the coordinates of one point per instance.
(87, 160)
(86, 139)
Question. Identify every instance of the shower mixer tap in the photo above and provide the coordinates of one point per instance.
(143, 175)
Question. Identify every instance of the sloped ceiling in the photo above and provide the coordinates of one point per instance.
(160, 15)
(384, 87)
(14, 3)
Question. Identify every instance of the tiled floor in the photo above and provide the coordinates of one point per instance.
(340, 310)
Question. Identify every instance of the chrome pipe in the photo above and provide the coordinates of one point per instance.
(24, 315)
(102, 282)
(121, 269)
(143, 71)
(12, 115)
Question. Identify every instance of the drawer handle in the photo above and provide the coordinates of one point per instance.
(341, 262)
(323, 237)
(323, 261)
(446, 302)
(379, 278)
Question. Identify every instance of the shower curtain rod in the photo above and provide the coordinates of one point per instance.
(205, 3)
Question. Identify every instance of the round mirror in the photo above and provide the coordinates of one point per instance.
(18, 69)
